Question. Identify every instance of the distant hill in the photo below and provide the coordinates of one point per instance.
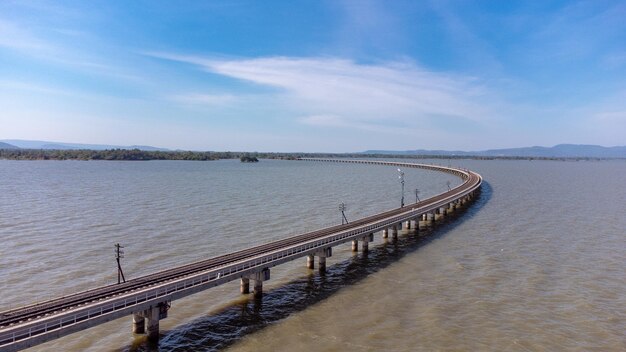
(28, 144)
(7, 146)
(558, 151)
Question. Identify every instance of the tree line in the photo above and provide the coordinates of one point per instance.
(136, 154)
(132, 154)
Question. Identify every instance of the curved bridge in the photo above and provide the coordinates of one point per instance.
(148, 298)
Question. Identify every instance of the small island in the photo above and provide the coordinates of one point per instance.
(249, 159)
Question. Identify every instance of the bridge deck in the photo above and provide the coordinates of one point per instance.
(34, 324)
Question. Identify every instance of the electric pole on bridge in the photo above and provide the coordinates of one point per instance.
(448, 184)
(417, 192)
(119, 253)
(342, 208)
(401, 177)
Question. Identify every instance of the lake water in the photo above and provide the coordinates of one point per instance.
(536, 264)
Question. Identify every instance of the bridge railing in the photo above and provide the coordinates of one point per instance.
(182, 287)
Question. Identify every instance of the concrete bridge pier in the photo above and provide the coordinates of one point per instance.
(394, 232)
(310, 261)
(414, 225)
(440, 213)
(322, 255)
(322, 264)
(366, 240)
(152, 323)
(422, 223)
(147, 321)
(430, 218)
(139, 324)
(355, 245)
(258, 289)
(244, 286)
(258, 278)
(385, 233)
(407, 225)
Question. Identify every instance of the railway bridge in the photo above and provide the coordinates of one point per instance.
(148, 298)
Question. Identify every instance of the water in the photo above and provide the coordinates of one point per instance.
(536, 264)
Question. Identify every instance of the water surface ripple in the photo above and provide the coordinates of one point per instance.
(536, 264)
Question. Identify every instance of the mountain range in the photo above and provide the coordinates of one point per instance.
(558, 151)
(27, 144)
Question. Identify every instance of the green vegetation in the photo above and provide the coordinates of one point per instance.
(249, 159)
(136, 154)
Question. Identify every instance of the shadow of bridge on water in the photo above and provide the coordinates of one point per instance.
(220, 330)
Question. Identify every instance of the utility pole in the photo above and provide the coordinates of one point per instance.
(448, 184)
(417, 192)
(119, 253)
(401, 177)
(342, 208)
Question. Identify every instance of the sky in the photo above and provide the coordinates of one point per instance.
(314, 75)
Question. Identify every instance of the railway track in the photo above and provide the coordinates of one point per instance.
(31, 312)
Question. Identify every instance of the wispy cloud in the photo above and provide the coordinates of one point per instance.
(63, 47)
(205, 99)
(341, 93)
(34, 88)
(324, 120)
(580, 30)
(14, 37)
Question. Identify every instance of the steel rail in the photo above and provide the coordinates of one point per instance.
(65, 302)
(24, 314)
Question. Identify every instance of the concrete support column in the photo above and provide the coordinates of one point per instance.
(394, 232)
(385, 233)
(407, 224)
(244, 287)
(439, 213)
(355, 245)
(152, 323)
(322, 255)
(322, 264)
(365, 245)
(430, 218)
(415, 225)
(422, 221)
(259, 277)
(310, 261)
(258, 288)
(139, 324)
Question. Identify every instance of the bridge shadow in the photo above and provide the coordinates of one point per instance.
(220, 330)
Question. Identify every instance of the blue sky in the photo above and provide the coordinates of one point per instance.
(337, 76)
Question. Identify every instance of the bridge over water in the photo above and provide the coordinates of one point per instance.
(148, 298)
